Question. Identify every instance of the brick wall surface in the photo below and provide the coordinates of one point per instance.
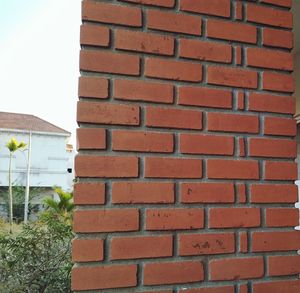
(186, 148)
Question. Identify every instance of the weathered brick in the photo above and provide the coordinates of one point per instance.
(94, 35)
(206, 144)
(85, 250)
(141, 247)
(275, 241)
(273, 148)
(233, 77)
(207, 51)
(280, 170)
(232, 122)
(110, 13)
(93, 87)
(280, 126)
(144, 42)
(138, 90)
(91, 138)
(206, 244)
(204, 97)
(163, 3)
(286, 286)
(142, 141)
(172, 168)
(282, 217)
(278, 82)
(89, 193)
(284, 265)
(174, 70)
(104, 277)
(210, 7)
(143, 192)
(236, 268)
(231, 169)
(109, 220)
(268, 15)
(173, 118)
(107, 113)
(277, 38)
(207, 192)
(234, 217)
(174, 219)
(108, 62)
(173, 272)
(232, 31)
(173, 22)
(106, 166)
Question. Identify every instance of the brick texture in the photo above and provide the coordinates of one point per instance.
(186, 148)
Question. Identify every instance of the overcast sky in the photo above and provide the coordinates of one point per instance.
(39, 49)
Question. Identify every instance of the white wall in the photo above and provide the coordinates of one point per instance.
(49, 160)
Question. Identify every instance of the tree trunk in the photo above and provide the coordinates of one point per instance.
(10, 196)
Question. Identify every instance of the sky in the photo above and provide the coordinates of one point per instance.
(39, 59)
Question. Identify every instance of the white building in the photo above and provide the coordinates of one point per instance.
(51, 160)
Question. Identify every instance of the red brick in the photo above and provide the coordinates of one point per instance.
(206, 144)
(241, 192)
(157, 167)
(278, 38)
(234, 217)
(173, 272)
(280, 170)
(282, 217)
(109, 13)
(278, 82)
(204, 97)
(104, 277)
(84, 250)
(232, 123)
(286, 265)
(232, 169)
(109, 220)
(243, 241)
(273, 148)
(91, 138)
(106, 166)
(89, 193)
(138, 90)
(143, 192)
(241, 100)
(236, 268)
(242, 147)
(94, 35)
(163, 3)
(265, 58)
(175, 70)
(232, 31)
(226, 289)
(280, 126)
(284, 3)
(273, 193)
(210, 7)
(173, 22)
(271, 103)
(142, 141)
(239, 10)
(141, 247)
(286, 286)
(232, 77)
(174, 219)
(267, 15)
(275, 241)
(93, 87)
(107, 113)
(207, 192)
(238, 55)
(207, 51)
(144, 42)
(173, 118)
(109, 62)
(206, 244)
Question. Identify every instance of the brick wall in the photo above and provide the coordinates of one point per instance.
(186, 148)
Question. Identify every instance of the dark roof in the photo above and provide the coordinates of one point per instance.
(28, 122)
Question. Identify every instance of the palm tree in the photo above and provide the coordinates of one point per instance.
(13, 145)
(63, 207)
